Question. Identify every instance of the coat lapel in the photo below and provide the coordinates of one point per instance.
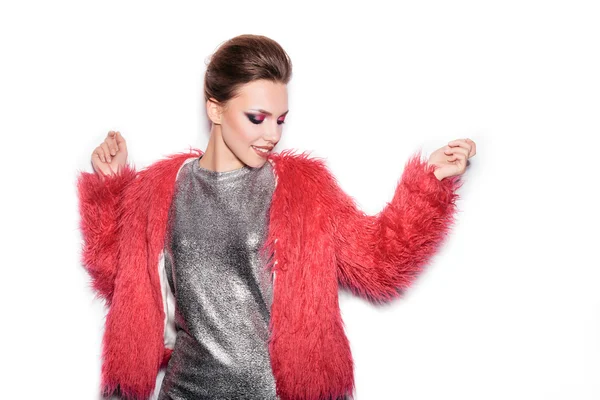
(310, 352)
(133, 344)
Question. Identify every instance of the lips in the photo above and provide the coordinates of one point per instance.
(262, 151)
(265, 148)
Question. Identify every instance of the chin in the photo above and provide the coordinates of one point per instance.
(257, 160)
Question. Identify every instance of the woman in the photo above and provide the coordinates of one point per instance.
(224, 265)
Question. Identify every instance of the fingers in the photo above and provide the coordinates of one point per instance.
(456, 150)
(106, 152)
(465, 143)
(111, 141)
(120, 140)
(110, 147)
(102, 152)
(458, 156)
(99, 153)
(99, 165)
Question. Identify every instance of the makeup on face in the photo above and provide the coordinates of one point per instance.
(259, 118)
(262, 152)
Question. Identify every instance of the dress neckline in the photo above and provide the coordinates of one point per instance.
(219, 174)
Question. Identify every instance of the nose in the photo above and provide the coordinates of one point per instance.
(272, 134)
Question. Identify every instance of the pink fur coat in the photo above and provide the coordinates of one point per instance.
(321, 239)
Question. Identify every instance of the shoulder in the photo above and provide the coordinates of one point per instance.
(168, 164)
(162, 173)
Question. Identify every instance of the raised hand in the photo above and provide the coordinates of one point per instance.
(452, 159)
(111, 155)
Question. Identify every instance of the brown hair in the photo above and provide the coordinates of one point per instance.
(243, 59)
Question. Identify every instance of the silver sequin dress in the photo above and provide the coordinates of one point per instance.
(217, 223)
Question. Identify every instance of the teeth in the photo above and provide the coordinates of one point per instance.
(261, 150)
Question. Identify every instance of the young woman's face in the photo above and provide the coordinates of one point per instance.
(255, 119)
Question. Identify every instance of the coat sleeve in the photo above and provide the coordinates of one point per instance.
(378, 257)
(99, 200)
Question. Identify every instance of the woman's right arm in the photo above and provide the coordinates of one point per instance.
(99, 195)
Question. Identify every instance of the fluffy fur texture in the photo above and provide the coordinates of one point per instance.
(319, 238)
(99, 201)
(378, 257)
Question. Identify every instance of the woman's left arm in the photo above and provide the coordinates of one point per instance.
(379, 256)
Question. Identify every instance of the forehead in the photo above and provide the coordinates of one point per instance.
(270, 96)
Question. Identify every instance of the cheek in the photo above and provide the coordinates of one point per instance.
(242, 132)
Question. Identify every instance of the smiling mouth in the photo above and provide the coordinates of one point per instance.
(261, 150)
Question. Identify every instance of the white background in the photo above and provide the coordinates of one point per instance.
(508, 309)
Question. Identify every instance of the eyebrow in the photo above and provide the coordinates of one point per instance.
(266, 112)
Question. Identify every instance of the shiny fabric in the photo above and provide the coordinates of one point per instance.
(217, 223)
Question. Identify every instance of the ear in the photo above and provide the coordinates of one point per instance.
(214, 111)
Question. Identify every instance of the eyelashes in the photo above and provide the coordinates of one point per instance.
(257, 121)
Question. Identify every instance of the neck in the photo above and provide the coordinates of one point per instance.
(218, 156)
